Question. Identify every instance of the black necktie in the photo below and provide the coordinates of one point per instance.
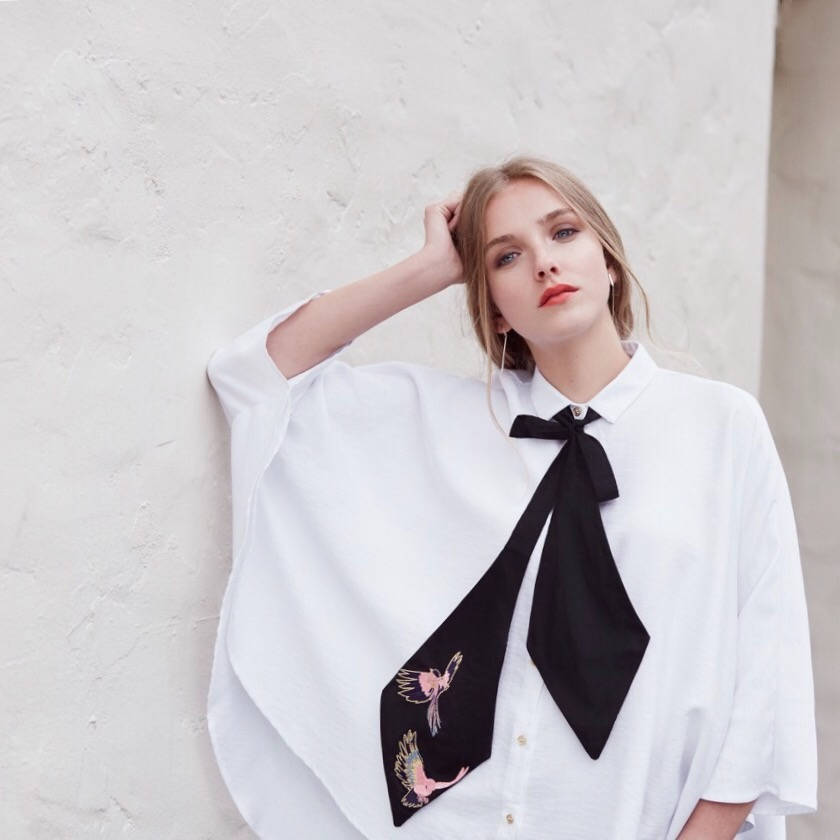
(437, 712)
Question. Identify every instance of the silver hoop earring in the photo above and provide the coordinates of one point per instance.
(504, 351)
(612, 295)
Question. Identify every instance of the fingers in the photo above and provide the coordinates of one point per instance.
(452, 199)
(436, 215)
(453, 205)
(449, 208)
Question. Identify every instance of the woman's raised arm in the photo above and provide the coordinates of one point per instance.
(328, 322)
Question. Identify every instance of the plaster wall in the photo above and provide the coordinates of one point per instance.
(170, 174)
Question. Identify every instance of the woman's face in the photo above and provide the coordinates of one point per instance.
(541, 250)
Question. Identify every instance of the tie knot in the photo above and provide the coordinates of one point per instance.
(561, 426)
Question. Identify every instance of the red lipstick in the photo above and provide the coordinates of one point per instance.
(563, 290)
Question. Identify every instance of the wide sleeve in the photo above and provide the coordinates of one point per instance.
(258, 402)
(770, 750)
(245, 376)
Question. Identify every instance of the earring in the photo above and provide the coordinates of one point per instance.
(504, 352)
(612, 295)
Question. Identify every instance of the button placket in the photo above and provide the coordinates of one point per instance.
(516, 779)
(531, 688)
(519, 755)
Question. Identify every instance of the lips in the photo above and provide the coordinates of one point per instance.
(554, 290)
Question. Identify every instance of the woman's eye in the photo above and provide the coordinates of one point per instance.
(503, 258)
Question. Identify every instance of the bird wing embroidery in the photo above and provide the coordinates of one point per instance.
(452, 667)
(409, 770)
(427, 686)
(412, 773)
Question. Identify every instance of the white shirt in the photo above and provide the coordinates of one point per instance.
(367, 501)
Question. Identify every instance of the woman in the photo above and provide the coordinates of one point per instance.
(578, 614)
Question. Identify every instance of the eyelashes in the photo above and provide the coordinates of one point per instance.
(501, 262)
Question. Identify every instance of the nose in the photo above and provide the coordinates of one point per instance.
(546, 264)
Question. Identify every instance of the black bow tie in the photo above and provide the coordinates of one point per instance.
(437, 712)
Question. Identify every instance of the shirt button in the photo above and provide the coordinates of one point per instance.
(576, 410)
(509, 818)
(521, 739)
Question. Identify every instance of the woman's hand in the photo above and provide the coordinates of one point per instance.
(441, 221)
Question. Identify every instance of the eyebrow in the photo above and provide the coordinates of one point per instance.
(507, 237)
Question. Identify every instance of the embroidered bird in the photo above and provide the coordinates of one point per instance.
(410, 771)
(427, 686)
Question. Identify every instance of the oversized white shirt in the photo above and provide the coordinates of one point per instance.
(368, 499)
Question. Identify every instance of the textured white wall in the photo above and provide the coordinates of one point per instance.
(169, 174)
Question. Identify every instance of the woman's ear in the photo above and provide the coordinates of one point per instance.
(500, 324)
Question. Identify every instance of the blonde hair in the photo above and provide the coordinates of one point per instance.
(471, 238)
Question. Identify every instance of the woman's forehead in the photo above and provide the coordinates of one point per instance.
(505, 213)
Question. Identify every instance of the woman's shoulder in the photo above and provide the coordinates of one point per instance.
(706, 387)
(426, 379)
(397, 388)
(708, 398)
(416, 371)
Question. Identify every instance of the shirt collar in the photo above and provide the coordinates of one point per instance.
(612, 399)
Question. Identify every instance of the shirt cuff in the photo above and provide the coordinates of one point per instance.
(244, 375)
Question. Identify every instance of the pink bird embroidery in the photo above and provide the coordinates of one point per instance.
(427, 686)
(410, 771)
